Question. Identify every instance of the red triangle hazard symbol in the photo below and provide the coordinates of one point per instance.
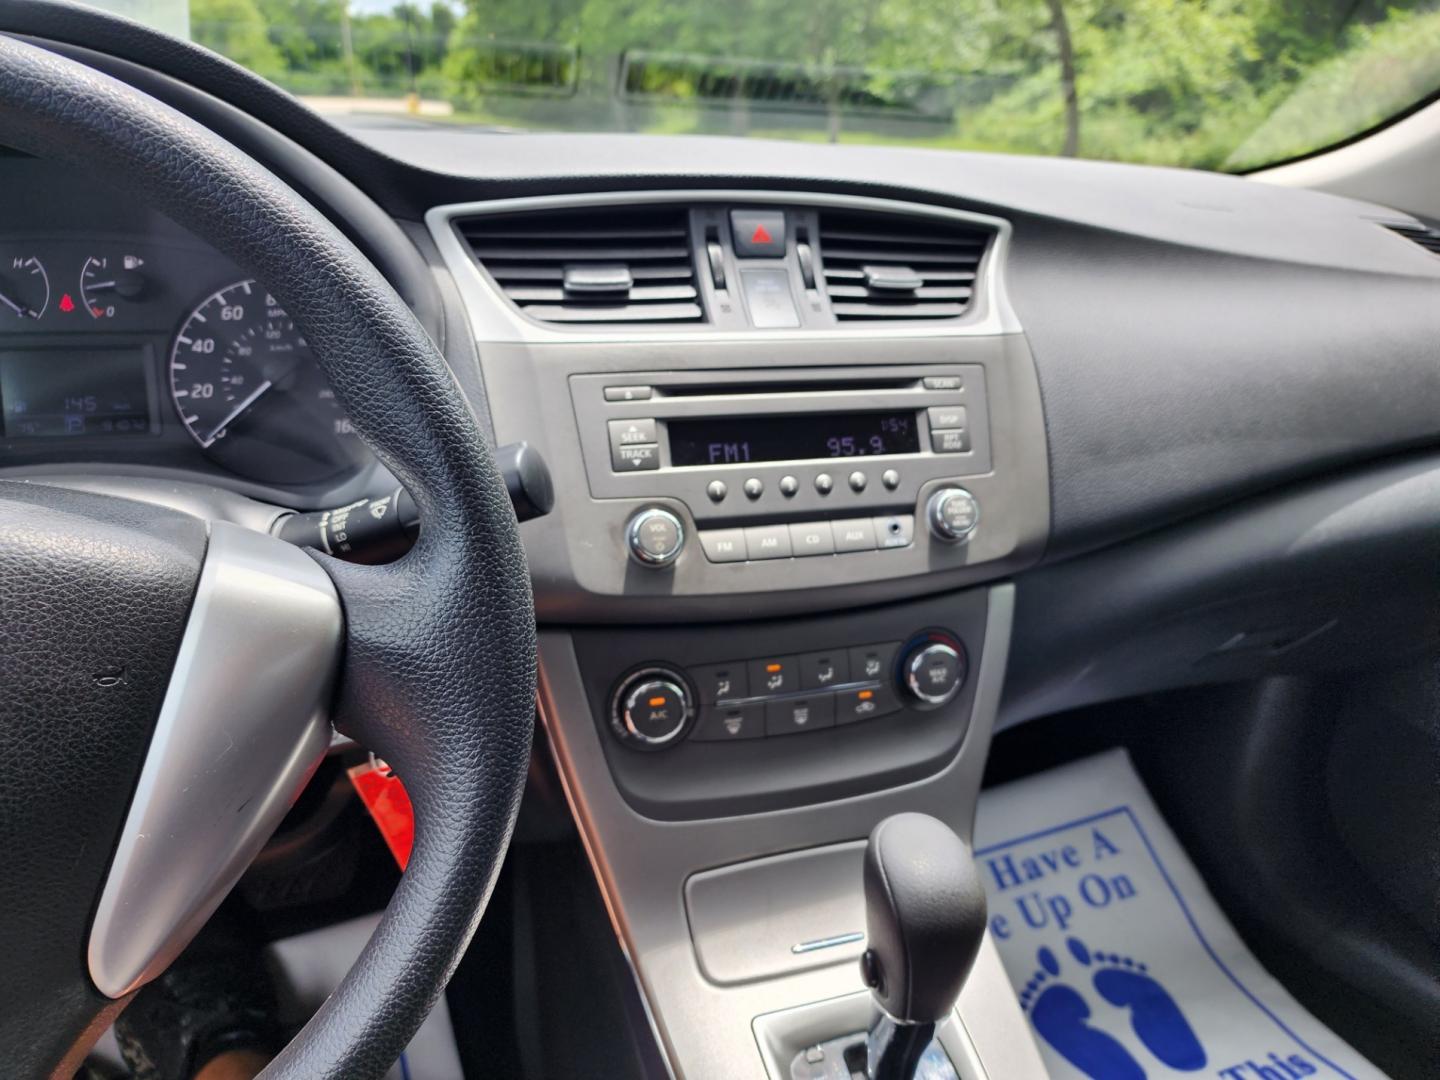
(761, 235)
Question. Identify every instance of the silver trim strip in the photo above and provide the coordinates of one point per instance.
(493, 318)
(800, 948)
(243, 725)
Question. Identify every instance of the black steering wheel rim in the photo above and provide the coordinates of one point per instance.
(438, 673)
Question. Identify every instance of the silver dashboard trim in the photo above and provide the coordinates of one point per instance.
(494, 318)
(243, 725)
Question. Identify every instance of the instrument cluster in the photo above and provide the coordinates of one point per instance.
(146, 346)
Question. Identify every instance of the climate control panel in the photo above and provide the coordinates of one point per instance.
(659, 704)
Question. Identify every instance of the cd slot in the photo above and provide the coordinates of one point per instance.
(797, 386)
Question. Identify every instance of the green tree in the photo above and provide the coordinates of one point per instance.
(238, 30)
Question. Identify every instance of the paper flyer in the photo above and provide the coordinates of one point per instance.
(1122, 962)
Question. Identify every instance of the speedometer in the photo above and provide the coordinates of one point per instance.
(247, 388)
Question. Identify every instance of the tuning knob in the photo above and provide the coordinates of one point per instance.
(655, 537)
(933, 672)
(651, 708)
(953, 514)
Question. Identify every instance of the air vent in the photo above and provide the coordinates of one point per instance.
(596, 265)
(1427, 238)
(885, 266)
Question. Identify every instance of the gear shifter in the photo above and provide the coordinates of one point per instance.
(925, 919)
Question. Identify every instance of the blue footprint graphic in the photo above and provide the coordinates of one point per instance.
(1157, 1019)
(1059, 1014)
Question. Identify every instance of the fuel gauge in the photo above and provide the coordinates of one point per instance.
(107, 283)
(24, 287)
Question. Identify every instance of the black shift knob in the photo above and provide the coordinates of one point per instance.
(924, 917)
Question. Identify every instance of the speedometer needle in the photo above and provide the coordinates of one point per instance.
(233, 413)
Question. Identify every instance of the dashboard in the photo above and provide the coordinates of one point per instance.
(127, 343)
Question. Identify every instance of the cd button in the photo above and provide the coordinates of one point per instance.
(820, 670)
(943, 382)
(730, 723)
(799, 714)
(723, 545)
(854, 534)
(811, 538)
(628, 393)
(767, 542)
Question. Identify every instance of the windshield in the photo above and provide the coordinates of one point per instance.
(1213, 84)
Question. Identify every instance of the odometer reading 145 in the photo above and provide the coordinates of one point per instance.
(246, 387)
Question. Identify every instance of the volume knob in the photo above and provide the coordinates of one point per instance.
(655, 537)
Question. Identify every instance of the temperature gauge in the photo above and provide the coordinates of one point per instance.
(107, 282)
(24, 287)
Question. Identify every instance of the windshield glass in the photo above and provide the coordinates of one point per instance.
(1214, 84)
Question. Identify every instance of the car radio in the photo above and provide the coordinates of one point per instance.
(779, 464)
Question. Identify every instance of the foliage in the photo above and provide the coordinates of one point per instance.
(1203, 83)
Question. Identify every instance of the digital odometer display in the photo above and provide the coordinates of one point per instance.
(55, 393)
(792, 438)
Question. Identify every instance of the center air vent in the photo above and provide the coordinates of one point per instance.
(885, 266)
(597, 265)
(1427, 238)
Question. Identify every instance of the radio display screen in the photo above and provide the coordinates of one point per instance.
(736, 440)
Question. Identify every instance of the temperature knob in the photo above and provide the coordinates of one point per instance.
(953, 514)
(651, 708)
(655, 537)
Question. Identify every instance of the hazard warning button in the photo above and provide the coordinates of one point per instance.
(759, 234)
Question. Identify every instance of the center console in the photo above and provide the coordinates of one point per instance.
(797, 447)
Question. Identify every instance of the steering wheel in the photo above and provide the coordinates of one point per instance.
(165, 681)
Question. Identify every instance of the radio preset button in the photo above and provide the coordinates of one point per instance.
(767, 542)
(724, 545)
(947, 416)
(824, 483)
(628, 393)
(953, 441)
(642, 458)
(717, 490)
(799, 714)
(811, 538)
(894, 531)
(754, 487)
(775, 675)
(789, 486)
(858, 480)
(943, 382)
(891, 479)
(853, 534)
(730, 723)
(822, 670)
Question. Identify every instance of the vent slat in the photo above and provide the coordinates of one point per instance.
(887, 266)
(575, 313)
(925, 292)
(552, 264)
(644, 295)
